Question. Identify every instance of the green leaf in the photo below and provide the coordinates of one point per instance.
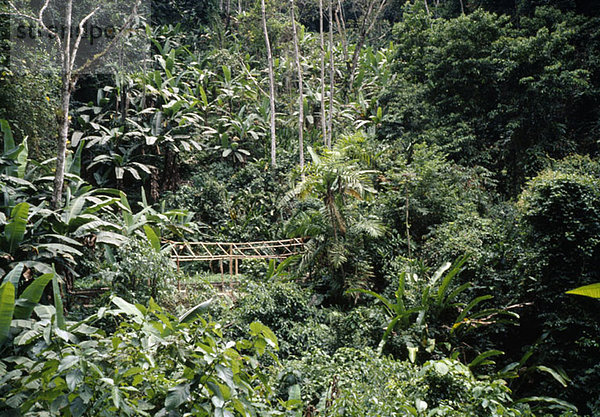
(592, 290)
(472, 305)
(456, 268)
(557, 376)
(152, 237)
(483, 357)
(111, 238)
(9, 142)
(14, 231)
(67, 363)
(194, 312)
(32, 294)
(128, 308)
(203, 96)
(60, 249)
(390, 306)
(116, 397)
(294, 392)
(259, 329)
(77, 407)
(7, 305)
(550, 400)
(14, 276)
(75, 164)
(176, 396)
(226, 73)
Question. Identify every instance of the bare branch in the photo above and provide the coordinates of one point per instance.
(381, 6)
(42, 10)
(80, 36)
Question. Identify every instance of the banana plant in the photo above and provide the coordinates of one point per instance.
(14, 307)
(231, 149)
(118, 163)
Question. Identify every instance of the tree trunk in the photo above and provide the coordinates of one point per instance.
(228, 14)
(341, 24)
(331, 75)
(300, 88)
(68, 48)
(63, 134)
(322, 40)
(65, 100)
(271, 85)
(366, 26)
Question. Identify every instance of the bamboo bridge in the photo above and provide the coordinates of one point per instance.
(233, 252)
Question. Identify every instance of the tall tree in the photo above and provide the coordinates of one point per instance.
(322, 44)
(68, 42)
(331, 76)
(300, 86)
(271, 84)
(368, 21)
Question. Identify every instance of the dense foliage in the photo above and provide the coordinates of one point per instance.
(447, 190)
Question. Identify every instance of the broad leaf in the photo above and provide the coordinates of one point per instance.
(194, 312)
(592, 290)
(176, 396)
(7, 305)
(14, 276)
(14, 231)
(152, 237)
(32, 294)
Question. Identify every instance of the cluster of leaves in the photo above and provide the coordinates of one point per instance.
(153, 364)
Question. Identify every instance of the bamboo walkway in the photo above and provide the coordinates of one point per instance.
(233, 252)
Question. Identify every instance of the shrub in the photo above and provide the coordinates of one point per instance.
(153, 364)
(355, 382)
(288, 310)
(560, 211)
(137, 272)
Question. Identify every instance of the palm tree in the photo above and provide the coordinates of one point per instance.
(332, 185)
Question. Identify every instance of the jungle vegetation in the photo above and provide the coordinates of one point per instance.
(441, 158)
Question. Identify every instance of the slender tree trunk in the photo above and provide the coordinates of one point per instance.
(300, 87)
(322, 39)
(271, 85)
(367, 24)
(63, 134)
(462, 7)
(341, 24)
(65, 100)
(331, 75)
(228, 13)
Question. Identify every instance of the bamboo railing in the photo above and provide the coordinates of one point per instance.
(233, 252)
